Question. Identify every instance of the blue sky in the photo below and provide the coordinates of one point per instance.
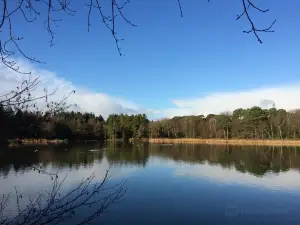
(168, 58)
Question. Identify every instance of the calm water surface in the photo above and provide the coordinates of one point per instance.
(176, 184)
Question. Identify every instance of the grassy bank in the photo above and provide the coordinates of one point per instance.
(224, 142)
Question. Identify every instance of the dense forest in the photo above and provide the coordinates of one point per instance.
(252, 123)
(70, 125)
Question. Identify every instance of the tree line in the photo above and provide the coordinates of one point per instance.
(251, 123)
(70, 125)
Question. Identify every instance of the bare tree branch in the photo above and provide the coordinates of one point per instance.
(246, 5)
(179, 4)
(24, 98)
(109, 11)
(10, 47)
(54, 207)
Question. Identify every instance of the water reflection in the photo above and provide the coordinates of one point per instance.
(253, 159)
(127, 154)
(256, 160)
(72, 157)
(211, 182)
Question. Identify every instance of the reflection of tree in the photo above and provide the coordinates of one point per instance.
(252, 159)
(75, 156)
(128, 154)
(16, 159)
(59, 157)
(255, 160)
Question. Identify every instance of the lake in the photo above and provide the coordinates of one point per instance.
(168, 184)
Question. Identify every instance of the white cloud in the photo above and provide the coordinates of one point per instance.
(284, 96)
(86, 100)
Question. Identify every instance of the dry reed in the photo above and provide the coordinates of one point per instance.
(228, 141)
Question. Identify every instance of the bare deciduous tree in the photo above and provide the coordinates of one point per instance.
(108, 13)
(54, 207)
(24, 98)
(30, 11)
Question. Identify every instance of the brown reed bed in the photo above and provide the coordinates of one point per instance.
(283, 142)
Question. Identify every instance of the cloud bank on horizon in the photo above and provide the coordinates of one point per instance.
(87, 100)
(284, 96)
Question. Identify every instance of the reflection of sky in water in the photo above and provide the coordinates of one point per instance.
(177, 191)
(30, 181)
(226, 176)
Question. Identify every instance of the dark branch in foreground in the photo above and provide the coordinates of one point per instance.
(179, 5)
(109, 20)
(108, 13)
(247, 4)
(27, 10)
(53, 207)
(23, 98)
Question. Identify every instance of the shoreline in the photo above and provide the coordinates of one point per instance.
(241, 142)
(42, 141)
(225, 142)
(33, 141)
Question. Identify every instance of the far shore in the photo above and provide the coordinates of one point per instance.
(34, 141)
(42, 141)
(283, 142)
